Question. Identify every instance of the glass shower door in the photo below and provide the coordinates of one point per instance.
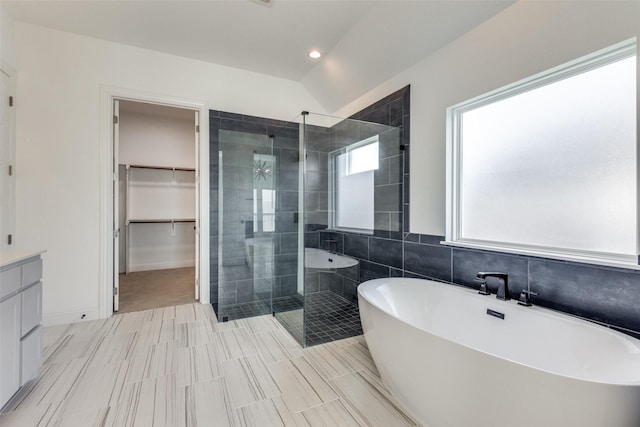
(288, 301)
(352, 192)
(246, 218)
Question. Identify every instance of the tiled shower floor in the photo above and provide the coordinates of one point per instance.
(329, 317)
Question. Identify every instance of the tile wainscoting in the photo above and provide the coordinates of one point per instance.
(607, 295)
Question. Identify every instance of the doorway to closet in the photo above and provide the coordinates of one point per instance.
(155, 206)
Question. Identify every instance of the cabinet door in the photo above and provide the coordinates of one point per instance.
(31, 308)
(9, 348)
(31, 350)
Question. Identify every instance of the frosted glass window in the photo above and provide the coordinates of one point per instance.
(550, 164)
(363, 158)
(353, 185)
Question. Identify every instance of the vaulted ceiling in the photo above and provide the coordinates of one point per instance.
(364, 42)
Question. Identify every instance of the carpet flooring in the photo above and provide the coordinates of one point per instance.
(145, 290)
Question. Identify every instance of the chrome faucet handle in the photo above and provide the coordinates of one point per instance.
(525, 298)
(484, 290)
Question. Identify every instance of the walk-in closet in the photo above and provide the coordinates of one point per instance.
(156, 205)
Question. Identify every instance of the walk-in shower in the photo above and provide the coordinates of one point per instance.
(293, 204)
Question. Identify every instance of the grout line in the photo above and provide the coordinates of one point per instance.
(318, 405)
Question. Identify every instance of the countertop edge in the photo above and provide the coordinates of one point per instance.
(10, 257)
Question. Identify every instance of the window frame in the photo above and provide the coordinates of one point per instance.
(454, 167)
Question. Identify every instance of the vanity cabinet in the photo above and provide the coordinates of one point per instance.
(10, 350)
(20, 318)
(31, 308)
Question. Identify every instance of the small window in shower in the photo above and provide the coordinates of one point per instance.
(362, 157)
(352, 185)
(264, 210)
(264, 195)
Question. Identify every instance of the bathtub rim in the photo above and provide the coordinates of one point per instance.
(353, 261)
(375, 283)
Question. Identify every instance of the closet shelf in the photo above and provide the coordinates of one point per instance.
(155, 203)
(168, 168)
(159, 220)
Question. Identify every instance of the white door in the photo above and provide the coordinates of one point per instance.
(116, 219)
(197, 216)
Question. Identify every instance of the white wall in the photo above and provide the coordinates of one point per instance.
(157, 140)
(7, 48)
(524, 39)
(58, 188)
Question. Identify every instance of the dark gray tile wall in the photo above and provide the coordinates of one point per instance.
(604, 294)
(356, 246)
(341, 281)
(467, 263)
(316, 180)
(429, 261)
(607, 295)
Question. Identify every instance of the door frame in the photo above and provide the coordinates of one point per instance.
(10, 212)
(106, 275)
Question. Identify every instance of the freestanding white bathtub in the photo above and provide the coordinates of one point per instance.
(451, 364)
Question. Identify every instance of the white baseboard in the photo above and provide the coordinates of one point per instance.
(51, 319)
(162, 265)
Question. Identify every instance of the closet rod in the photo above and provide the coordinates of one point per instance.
(168, 168)
(158, 221)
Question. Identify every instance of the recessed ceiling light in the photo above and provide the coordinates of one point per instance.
(263, 2)
(315, 54)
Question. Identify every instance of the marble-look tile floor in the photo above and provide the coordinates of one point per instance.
(177, 366)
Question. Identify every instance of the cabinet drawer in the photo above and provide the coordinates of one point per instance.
(31, 308)
(9, 281)
(31, 355)
(31, 272)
